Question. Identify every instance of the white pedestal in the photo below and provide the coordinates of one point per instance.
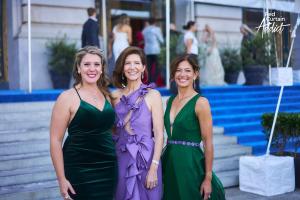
(267, 175)
(282, 76)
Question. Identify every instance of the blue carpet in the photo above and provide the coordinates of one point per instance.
(237, 108)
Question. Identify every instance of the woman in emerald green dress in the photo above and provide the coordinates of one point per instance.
(86, 166)
(187, 171)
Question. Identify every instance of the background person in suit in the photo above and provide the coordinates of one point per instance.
(90, 30)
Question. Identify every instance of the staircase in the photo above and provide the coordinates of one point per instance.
(239, 109)
(26, 171)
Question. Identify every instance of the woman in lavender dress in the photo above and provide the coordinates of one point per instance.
(139, 129)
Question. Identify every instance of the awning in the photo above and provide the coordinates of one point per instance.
(286, 6)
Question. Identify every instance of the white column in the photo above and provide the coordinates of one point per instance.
(29, 45)
(168, 43)
(104, 27)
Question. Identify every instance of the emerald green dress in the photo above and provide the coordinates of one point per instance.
(183, 160)
(89, 154)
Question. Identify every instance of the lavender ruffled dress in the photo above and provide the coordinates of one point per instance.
(135, 148)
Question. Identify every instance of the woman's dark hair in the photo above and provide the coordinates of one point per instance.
(103, 81)
(189, 25)
(190, 58)
(119, 80)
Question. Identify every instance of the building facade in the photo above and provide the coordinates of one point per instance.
(55, 18)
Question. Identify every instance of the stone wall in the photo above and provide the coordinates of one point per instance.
(50, 19)
(225, 21)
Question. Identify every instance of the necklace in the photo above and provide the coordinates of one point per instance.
(184, 97)
(95, 99)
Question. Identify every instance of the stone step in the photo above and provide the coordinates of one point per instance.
(27, 175)
(26, 124)
(23, 116)
(217, 130)
(230, 150)
(24, 135)
(229, 178)
(26, 107)
(33, 191)
(226, 164)
(222, 140)
(24, 147)
(12, 162)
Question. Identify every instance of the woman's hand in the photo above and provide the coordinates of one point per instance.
(151, 179)
(205, 189)
(65, 186)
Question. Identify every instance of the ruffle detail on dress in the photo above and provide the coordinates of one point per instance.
(140, 149)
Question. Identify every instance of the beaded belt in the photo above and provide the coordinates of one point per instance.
(185, 143)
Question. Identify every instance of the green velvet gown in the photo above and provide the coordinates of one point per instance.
(89, 153)
(184, 163)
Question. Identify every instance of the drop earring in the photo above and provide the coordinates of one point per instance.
(142, 75)
(194, 85)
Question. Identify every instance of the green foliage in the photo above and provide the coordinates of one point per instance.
(61, 55)
(231, 60)
(174, 36)
(287, 130)
(254, 50)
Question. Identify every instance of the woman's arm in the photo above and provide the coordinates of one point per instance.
(214, 40)
(188, 44)
(205, 120)
(129, 34)
(59, 122)
(156, 107)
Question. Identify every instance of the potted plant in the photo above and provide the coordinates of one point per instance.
(256, 58)
(286, 137)
(232, 64)
(61, 59)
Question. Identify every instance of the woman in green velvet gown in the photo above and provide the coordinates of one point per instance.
(187, 171)
(86, 166)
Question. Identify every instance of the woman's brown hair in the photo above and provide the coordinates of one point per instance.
(119, 79)
(103, 81)
(190, 58)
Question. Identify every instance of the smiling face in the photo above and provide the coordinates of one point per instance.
(185, 75)
(133, 67)
(90, 68)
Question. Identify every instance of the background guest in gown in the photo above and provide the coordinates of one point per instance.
(139, 113)
(122, 33)
(212, 73)
(90, 30)
(153, 38)
(187, 171)
(191, 43)
(86, 166)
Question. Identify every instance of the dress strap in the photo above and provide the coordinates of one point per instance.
(77, 93)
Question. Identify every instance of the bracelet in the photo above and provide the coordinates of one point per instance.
(155, 162)
(208, 174)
